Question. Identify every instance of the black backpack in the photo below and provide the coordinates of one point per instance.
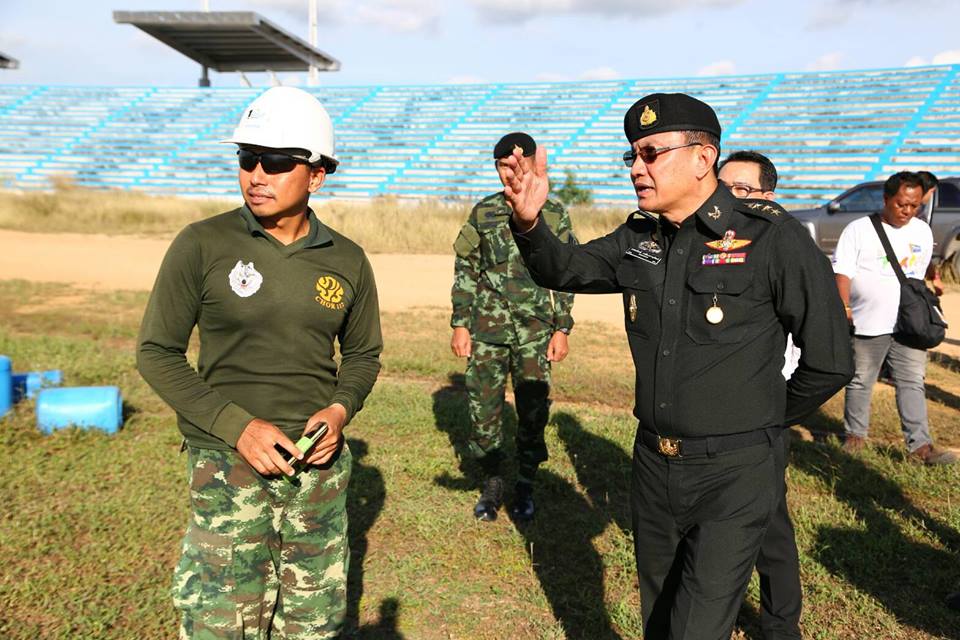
(920, 322)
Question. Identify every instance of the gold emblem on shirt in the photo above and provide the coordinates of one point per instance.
(330, 293)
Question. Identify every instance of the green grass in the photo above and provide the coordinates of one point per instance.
(92, 523)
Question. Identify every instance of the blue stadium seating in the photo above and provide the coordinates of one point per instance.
(826, 131)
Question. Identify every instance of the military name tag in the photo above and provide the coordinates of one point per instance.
(647, 256)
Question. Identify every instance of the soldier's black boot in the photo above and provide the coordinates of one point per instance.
(523, 507)
(490, 499)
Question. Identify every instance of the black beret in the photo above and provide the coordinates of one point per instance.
(508, 142)
(659, 112)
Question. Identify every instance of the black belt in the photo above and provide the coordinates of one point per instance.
(706, 446)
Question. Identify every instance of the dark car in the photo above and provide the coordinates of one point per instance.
(826, 222)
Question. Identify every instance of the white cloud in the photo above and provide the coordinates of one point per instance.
(328, 11)
(600, 73)
(947, 57)
(718, 68)
(951, 56)
(597, 73)
(549, 76)
(466, 79)
(400, 16)
(403, 16)
(826, 62)
(12, 40)
(512, 10)
(834, 13)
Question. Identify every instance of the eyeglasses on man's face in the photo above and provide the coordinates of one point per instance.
(742, 189)
(649, 153)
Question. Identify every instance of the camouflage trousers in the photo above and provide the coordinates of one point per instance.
(262, 557)
(486, 381)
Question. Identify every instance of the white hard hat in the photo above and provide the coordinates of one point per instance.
(288, 118)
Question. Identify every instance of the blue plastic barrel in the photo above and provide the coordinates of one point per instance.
(27, 385)
(6, 385)
(84, 407)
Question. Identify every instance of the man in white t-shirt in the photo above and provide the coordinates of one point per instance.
(870, 292)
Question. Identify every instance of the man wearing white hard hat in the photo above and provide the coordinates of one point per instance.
(272, 291)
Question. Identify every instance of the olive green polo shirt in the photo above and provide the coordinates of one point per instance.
(268, 317)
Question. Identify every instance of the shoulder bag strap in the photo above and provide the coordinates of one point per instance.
(885, 241)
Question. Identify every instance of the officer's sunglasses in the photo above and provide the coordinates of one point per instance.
(649, 153)
(271, 161)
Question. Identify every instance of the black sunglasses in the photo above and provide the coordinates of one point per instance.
(649, 153)
(271, 161)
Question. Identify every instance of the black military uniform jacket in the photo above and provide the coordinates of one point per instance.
(750, 259)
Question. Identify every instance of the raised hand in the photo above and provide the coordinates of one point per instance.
(526, 187)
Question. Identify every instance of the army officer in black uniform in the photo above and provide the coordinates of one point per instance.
(711, 286)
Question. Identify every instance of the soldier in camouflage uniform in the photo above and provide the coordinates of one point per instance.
(273, 292)
(504, 323)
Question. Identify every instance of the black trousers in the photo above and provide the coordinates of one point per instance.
(698, 523)
(778, 564)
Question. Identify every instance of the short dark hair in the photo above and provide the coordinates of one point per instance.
(768, 172)
(704, 137)
(928, 179)
(899, 180)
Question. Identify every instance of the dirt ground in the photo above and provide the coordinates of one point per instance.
(404, 282)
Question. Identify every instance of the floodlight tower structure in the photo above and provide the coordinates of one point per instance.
(238, 41)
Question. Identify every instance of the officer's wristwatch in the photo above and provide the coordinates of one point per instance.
(564, 330)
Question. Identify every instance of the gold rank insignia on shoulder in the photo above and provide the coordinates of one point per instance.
(728, 242)
(648, 117)
(771, 210)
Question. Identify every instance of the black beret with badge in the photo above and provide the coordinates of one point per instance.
(513, 140)
(659, 112)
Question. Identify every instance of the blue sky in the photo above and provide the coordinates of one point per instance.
(418, 42)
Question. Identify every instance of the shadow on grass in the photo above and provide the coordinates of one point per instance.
(452, 416)
(365, 497)
(386, 628)
(946, 361)
(559, 540)
(944, 397)
(910, 579)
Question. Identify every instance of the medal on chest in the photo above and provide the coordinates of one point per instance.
(715, 313)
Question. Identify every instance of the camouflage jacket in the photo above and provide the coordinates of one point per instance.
(493, 294)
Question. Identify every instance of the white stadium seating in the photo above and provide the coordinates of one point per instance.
(825, 132)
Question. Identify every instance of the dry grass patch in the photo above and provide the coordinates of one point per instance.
(382, 225)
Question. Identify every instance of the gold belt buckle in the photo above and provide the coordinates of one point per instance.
(669, 447)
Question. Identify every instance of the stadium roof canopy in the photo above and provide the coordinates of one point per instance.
(229, 40)
(6, 62)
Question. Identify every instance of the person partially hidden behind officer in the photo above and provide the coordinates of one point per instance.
(749, 174)
(504, 323)
(272, 291)
(711, 285)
